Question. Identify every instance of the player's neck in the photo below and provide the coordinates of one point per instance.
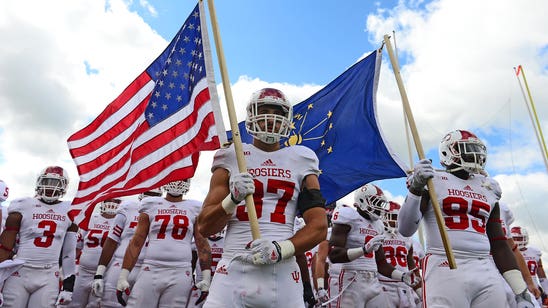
(266, 147)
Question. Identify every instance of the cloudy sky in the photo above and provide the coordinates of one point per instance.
(63, 61)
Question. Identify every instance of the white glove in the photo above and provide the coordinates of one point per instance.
(98, 284)
(523, 300)
(419, 292)
(64, 298)
(122, 287)
(322, 295)
(241, 185)
(264, 251)
(421, 173)
(98, 287)
(409, 278)
(373, 244)
(203, 286)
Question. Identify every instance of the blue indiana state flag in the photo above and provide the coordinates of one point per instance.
(340, 124)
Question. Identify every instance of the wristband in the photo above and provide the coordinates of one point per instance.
(124, 273)
(397, 275)
(206, 275)
(354, 253)
(320, 282)
(287, 249)
(229, 204)
(100, 271)
(515, 281)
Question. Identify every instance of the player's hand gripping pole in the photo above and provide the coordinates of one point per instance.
(420, 152)
(236, 138)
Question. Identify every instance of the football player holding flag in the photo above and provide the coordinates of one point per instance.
(472, 217)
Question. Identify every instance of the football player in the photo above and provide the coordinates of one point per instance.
(472, 218)
(119, 235)
(45, 232)
(165, 279)
(91, 247)
(357, 242)
(399, 252)
(283, 181)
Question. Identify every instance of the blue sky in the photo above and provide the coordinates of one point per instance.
(66, 61)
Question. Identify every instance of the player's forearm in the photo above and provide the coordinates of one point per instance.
(212, 219)
(410, 215)
(108, 251)
(204, 253)
(302, 263)
(132, 252)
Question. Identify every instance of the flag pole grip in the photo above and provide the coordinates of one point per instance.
(420, 152)
(236, 137)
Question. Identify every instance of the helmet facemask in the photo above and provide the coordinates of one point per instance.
(110, 206)
(463, 149)
(51, 184)
(177, 188)
(371, 200)
(269, 127)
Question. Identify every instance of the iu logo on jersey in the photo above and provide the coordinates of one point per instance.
(296, 276)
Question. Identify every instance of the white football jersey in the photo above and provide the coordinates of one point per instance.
(216, 255)
(171, 230)
(278, 177)
(124, 226)
(361, 231)
(396, 248)
(334, 268)
(93, 239)
(507, 218)
(466, 206)
(42, 231)
(532, 257)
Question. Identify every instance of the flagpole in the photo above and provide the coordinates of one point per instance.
(420, 152)
(236, 137)
(533, 115)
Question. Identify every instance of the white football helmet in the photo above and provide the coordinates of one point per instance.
(177, 188)
(371, 200)
(390, 218)
(464, 150)
(110, 206)
(520, 236)
(52, 183)
(156, 192)
(269, 127)
(4, 191)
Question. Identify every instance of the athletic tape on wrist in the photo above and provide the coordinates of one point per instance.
(287, 249)
(354, 253)
(515, 281)
(397, 275)
(320, 282)
(229, 204)
(100, 270)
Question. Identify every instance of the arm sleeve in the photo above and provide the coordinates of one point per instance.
(410, 215)
(69, 254)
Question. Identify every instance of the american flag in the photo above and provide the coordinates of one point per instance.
(152, 133)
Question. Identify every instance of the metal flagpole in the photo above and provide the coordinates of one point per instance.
(533, 115)
(420, 151)
(236, 137)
